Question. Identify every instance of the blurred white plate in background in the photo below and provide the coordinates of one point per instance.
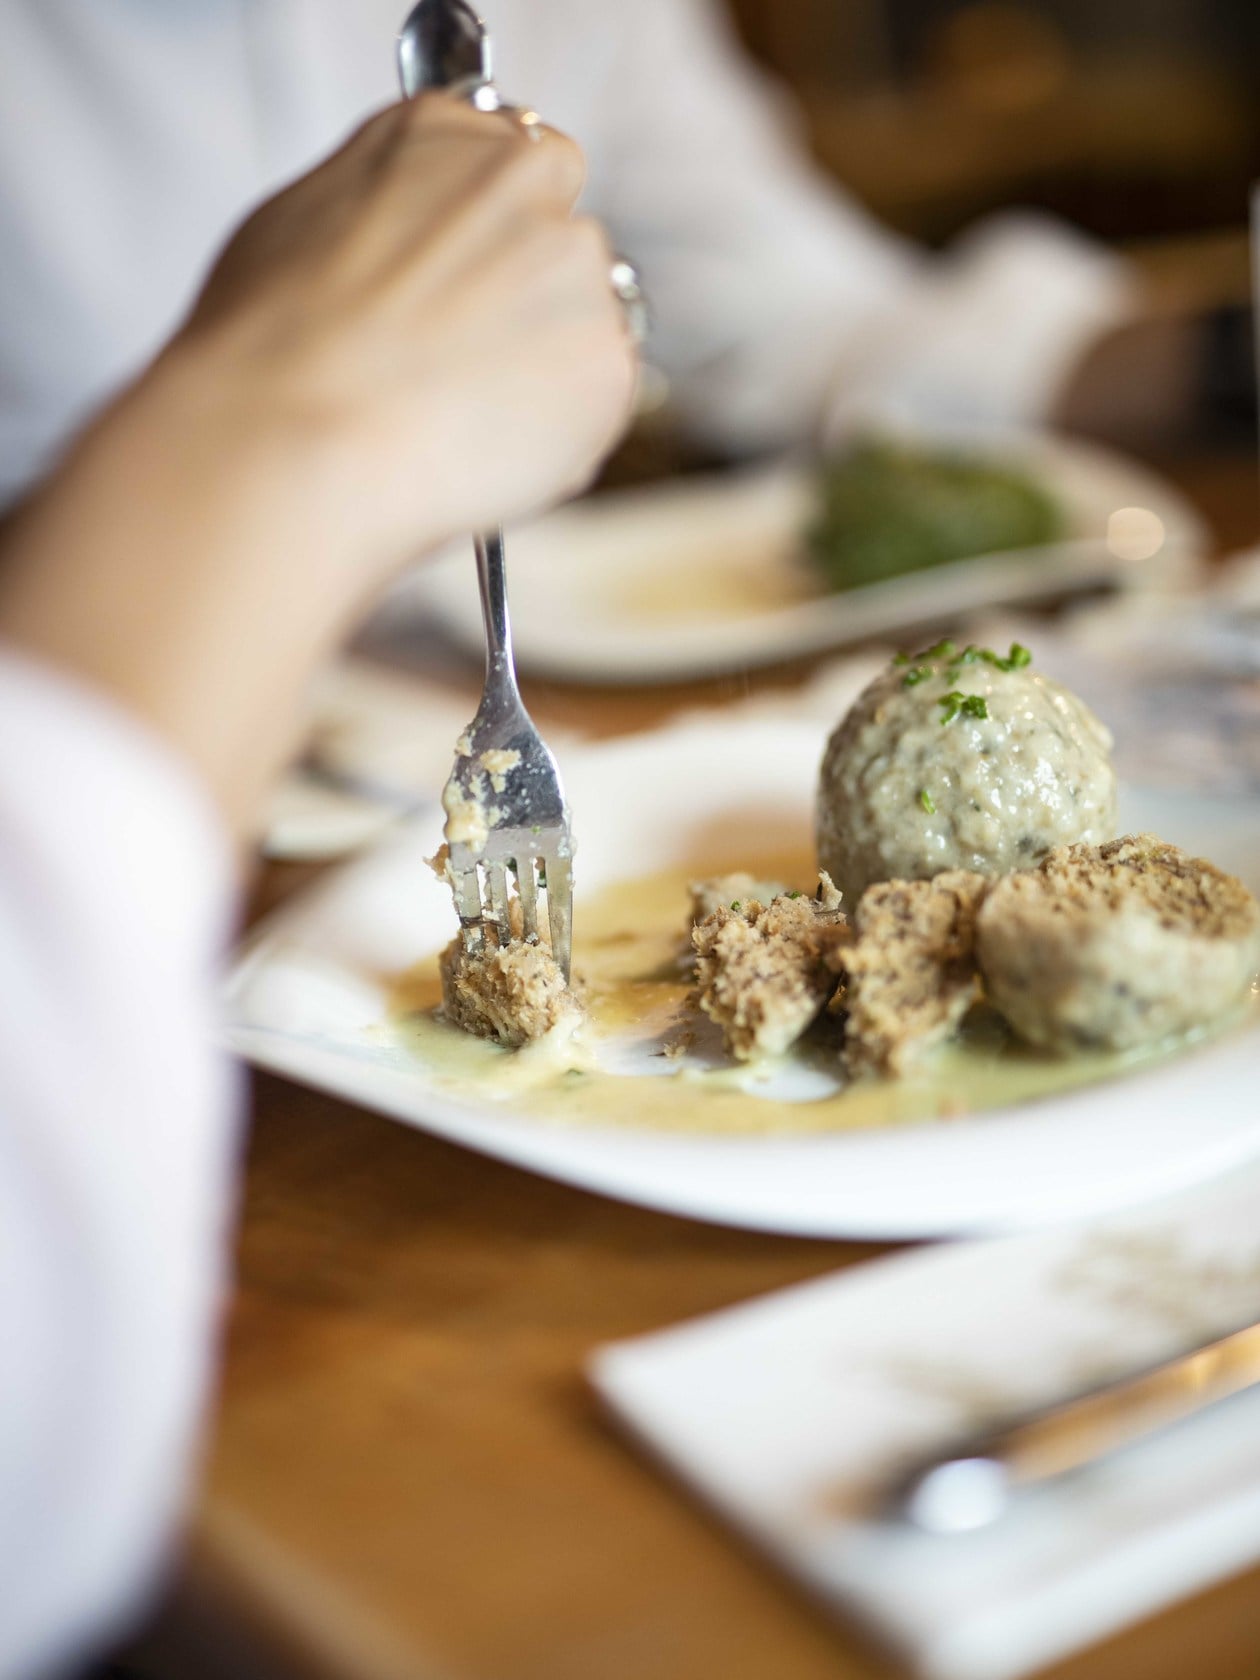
(309, 999)
(706, 574)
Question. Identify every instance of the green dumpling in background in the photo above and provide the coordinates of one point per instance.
(888, 508)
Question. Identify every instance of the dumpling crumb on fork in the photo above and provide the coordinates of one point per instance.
(766, 969)
(513, 993)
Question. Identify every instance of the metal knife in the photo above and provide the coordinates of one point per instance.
(975, 1482)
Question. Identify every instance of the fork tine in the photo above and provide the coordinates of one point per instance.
(560, 911)
(468, 904)
(527, 888)
(497, 898)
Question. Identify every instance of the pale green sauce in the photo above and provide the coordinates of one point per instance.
(628, 943)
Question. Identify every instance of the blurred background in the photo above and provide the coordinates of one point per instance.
(1137, 119)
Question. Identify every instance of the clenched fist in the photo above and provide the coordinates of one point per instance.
(417, 339)
(427, 309)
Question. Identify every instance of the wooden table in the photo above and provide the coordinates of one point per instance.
(407, 1475)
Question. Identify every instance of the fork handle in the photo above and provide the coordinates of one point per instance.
(492, 582)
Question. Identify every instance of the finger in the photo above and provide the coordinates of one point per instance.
(550, 287)
(373, 140)
(558, 168)
(526, 121)
(599, 263)
(495, 190)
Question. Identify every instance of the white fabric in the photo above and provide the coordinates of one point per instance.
(116, 1145)
(137, 132)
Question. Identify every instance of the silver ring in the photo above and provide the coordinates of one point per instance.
(486, 97)
(624, 278)
(529, 121)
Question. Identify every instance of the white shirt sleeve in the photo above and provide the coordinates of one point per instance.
(116, 1156)
(783, 307)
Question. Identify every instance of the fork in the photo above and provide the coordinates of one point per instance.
(507, 821)
(505, 806)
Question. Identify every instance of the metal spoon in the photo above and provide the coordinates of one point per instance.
(444, 44)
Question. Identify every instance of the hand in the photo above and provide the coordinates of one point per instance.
(415, 340)
(427, 308)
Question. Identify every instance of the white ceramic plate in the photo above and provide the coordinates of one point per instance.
(706, 575)
(308, 999)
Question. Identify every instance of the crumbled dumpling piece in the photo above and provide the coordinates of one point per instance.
(739, 889)
(496, 763)
(764, 971)
(513, 993)
(468, 821)
(911, 971)
(1117, 946)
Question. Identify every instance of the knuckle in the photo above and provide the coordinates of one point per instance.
(551, 168)
(548, 242)
(526, 167)
(519, 166)
(619, 366)
(590, 243)
(381, 125)
(375, 143)
(605, 365)
(567, 163)
(435, 120)
(435, 110)
(580, 478)
(572, 248)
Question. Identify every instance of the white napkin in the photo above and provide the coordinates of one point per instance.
(783, 1413)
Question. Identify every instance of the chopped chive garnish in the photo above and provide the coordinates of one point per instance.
(948, 654)
(927, 802)
(796, 895)
(737, 904)
(1015, 660)
(942, 650)
(955, 705)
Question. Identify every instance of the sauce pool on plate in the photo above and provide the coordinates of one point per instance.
(644, 1060)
